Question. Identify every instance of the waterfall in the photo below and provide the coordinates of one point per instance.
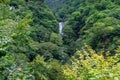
(61, 25)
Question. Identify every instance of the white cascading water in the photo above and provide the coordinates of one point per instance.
(61, 25)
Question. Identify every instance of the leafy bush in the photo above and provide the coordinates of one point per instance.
(51, 70)
(14, 67)
(89, 65)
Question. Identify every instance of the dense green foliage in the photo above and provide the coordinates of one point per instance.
(64, 8)
(89, 65)
(34, 26)
(32, 49)
(86, 65)
(94, 22)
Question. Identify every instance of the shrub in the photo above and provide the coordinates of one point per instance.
(90, 65)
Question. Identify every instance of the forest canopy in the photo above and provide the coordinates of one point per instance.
(31, 47)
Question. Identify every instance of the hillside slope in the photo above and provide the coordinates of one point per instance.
(55, 4)
(94, 22)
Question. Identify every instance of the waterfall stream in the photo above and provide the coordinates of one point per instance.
(61, 25)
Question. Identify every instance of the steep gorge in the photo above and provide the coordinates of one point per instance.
(85, 22)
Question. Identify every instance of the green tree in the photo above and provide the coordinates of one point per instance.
(56, 39)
